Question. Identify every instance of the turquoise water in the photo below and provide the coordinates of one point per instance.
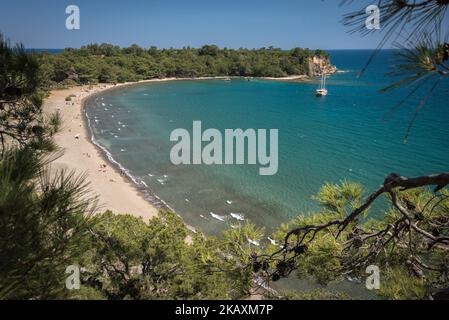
(343, 135)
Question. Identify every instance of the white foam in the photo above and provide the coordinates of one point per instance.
(238, 216)
(254, 242)
(153, 198)
(229, 202)
(216, 216)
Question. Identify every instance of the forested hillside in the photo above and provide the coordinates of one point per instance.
(109, 64)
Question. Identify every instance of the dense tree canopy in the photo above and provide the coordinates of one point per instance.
(127, 258)
(21, 115)
(106, 63)
(408, 241)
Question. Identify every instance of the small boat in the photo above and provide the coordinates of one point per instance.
(227, 79)
(322, 91)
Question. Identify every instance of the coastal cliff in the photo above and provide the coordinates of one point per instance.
(319, 64)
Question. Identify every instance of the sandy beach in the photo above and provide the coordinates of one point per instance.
(298, 78)
(115, 191)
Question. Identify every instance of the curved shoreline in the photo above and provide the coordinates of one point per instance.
(116, 188)
(141, 187)
(117, 182)
(116, 192)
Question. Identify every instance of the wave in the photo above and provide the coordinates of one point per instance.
(150, 196)
(238, 216)
(218, 217)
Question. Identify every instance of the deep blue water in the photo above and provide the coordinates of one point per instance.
(341, 136)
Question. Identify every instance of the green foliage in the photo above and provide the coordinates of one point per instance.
(43, 215)
(410, 267)
(399, 284)
(43, 220)
(21, 115)
(130, 259)
(340, 199)
(110, 64)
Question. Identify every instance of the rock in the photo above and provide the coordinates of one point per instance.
(318, 65)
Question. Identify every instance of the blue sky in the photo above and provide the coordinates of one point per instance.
(174, 23)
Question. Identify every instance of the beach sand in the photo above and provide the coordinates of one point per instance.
(115, 192)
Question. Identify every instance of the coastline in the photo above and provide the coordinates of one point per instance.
(299, 78)
(116, 189)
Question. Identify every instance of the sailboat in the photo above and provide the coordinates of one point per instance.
(322, 91)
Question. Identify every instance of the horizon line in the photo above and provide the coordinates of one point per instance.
(180, 48)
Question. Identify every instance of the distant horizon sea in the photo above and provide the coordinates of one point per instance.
(321, 140)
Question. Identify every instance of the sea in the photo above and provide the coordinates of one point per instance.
(356, 133)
